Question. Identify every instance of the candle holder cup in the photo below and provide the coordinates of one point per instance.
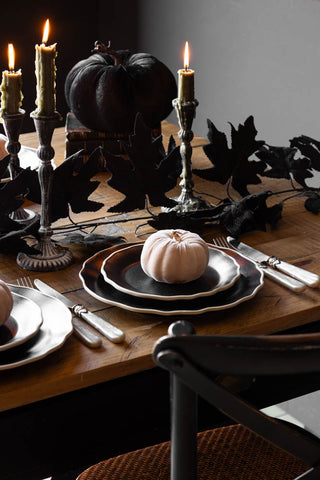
(12, 124)
(187, 200)
(51, 256)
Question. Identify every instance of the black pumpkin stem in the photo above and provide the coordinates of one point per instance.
(100, 47)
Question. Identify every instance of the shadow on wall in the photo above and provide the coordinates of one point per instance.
(251, 57)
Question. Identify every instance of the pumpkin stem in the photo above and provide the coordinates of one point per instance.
(100, 47)
(176, 236)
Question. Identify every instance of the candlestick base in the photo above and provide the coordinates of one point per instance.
(51, 258)
(23, 215)
(188, 202)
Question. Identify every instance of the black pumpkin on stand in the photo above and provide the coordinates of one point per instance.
(107, 90)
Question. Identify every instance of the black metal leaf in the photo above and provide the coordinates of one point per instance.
(220, 156)
(4, 162)
(187, 220)
(148, 172)
(250, 213)
(12, 233)
(233, 163)
(283, 164)
(72, 185)
(312, 204)
(309, 147)
(11, 192)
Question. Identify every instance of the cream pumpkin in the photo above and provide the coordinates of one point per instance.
(6, 302)
(174, 256)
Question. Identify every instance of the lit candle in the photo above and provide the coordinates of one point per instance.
(11, 95)
(46, 76)
(186, 79)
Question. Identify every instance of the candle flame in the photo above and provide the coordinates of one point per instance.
(45, 32)
(186, 56)
(11, 56)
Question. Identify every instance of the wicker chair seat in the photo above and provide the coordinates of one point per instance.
(226, 453)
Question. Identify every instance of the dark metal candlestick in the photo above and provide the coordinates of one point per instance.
(51, 256)
(187, 201)
(12, 124)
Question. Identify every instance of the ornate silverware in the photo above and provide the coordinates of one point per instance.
(111, 332)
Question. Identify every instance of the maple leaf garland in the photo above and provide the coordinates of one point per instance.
(11, 231)
(4, 162)
(148, 172)
(233, 163)
(72, 185)
(283, 164)
(250, 213)
(309, 147)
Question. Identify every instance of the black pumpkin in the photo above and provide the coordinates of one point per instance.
(107, 90)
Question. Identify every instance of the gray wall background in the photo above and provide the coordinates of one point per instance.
(251, 57)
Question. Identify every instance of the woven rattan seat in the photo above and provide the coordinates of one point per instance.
(231, 452)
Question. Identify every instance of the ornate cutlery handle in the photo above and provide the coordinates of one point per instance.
(309, 278)
(85, 335)
(284, 280)
(113, 333)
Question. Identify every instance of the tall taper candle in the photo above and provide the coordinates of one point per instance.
(186, 79)
(11, 94)
(46, 76)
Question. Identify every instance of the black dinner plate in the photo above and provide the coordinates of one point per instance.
(122, 269)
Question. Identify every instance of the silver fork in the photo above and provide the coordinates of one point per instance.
(275, 275)
(221, 242)
(89, 338)
(25, 282)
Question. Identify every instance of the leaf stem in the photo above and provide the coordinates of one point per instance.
(228, 189)
(82, 226)
(208, 195)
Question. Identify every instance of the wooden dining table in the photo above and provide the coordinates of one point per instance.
(74, 369)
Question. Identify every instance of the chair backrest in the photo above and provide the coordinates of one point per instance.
(195, 363)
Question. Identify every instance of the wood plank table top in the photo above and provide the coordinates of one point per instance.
(74, 366)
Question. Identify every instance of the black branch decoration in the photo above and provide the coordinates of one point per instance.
(147, 172)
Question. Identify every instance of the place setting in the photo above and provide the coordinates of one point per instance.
(36, 326)
(119, 276)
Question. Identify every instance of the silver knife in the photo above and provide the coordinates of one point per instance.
(111, 332)
(307, 278)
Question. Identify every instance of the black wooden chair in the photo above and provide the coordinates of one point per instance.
(256, 446)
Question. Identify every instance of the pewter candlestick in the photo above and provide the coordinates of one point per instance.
(187, 201)
(12, 124)
(51, 256)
